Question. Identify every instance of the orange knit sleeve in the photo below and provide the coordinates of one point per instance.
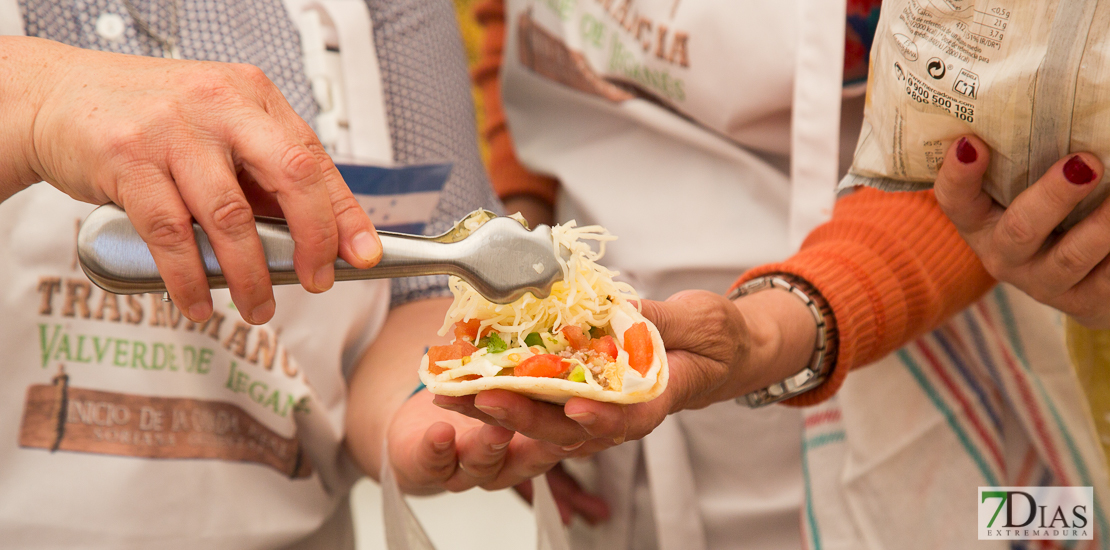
(509, 177)
(891, 267)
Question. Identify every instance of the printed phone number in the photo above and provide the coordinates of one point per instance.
(925, 95)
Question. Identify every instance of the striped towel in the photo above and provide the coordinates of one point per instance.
(989, 399)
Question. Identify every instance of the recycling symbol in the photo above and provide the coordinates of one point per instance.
(936, 68)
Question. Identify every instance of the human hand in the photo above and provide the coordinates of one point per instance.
(1019, 244)
(171, 141)
(716, 350)
(432, 450)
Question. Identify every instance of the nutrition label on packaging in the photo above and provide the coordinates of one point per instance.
(942, 43)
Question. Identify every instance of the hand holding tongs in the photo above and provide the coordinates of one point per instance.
(501, 259)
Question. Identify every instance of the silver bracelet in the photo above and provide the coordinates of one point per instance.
(821, 363)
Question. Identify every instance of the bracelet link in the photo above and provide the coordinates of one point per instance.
(824, 350)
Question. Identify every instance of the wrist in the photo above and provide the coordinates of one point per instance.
(33, 68)
(783, 336)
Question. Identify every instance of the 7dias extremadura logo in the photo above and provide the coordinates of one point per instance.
(1022, 513)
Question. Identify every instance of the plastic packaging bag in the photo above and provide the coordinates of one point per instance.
(1030, 77)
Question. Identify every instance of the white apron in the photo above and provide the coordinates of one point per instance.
(250, 419)
(694, 183)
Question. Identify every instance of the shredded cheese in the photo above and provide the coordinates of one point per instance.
(587, 295)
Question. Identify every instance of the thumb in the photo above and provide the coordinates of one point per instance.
(688, 317)
(959, 185)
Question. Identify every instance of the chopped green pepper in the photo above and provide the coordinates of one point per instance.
(534, 339)
(597, 332)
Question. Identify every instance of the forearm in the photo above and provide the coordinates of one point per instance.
(891, 267)
(27, 68)
(508, 176)
(386, 376)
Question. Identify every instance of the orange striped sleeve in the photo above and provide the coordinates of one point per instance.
(892, 267)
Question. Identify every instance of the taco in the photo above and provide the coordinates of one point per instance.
(586, 339)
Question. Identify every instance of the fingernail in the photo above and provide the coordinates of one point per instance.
(570, 448)
(441, 445)
(199, 311)
(366, 247)
(324, 277)
(263, 312)
(583, 418)
(499, 446)
(496, 412)
(965, 151)
(449, 406)
(1077, 171)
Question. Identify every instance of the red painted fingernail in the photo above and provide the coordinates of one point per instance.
(966, 152)
(1077, 171)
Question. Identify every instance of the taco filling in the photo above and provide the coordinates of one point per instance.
(586, 338)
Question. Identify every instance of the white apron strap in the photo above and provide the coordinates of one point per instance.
(403, 530)
(362, 82)
(815, 124)
(352, 95)
(11, 20)
(671, 478)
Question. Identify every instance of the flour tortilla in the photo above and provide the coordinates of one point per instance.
(557, 390)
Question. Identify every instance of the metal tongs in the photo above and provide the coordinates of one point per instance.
(501, 259)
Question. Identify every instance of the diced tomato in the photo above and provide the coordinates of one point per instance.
(457, 350)
(544, 366)
(576, 337)
(606, 345)
(637, 342)
(467, 330)
(466, 349)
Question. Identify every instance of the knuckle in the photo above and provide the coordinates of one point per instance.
(212, 88)
(299, 166)
(252, 74)
(1071, 259)
(243, 288)
(170, 232)
(125, 140)
(1017, 228)
(233, 217)
(346, 206)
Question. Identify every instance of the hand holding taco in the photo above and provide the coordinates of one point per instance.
(587, 339)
